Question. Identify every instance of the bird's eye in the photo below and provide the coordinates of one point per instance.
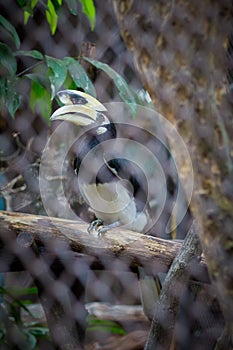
(77, 99)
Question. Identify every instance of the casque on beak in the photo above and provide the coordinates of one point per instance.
(80, 109)
(74, 97)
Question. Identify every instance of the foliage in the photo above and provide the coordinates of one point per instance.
(52, 8)
(120, 83)
(13, 301)
(27, 333)
(48, 74)
(95, 324)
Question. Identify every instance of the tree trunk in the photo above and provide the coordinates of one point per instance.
(180, 51)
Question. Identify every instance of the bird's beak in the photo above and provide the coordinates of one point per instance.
(79, 115)
(73, 97)
(80, 109)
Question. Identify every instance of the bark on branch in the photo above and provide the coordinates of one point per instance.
(166, 308)
(154, 254)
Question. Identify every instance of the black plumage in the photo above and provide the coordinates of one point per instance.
(114, 169)
(120, 182)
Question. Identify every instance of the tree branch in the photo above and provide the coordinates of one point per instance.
(154, 254)
(175, 282)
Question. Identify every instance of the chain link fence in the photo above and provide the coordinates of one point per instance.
(55, 292)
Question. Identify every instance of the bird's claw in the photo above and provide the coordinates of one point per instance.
(94, 225)
(102, 230)
(98, 222)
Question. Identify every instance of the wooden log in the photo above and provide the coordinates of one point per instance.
(135, 249)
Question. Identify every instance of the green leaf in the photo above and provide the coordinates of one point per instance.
(69, 83)
(39, 79)
(31, 53)
(12, 99)
(22, 3)
(72, 6)
(13, 301)
(88, 9)
(58, 74)
(51, 16)
(59, 2)
(104, 325)
(2, 91)
(79, 75)
(40, 99)
(28, 10)
(142, 98)
(13, 33)
(114, 330)
(2, 334)
(27, 15)
(31, 339)
(7, 59)
(124, 91)
(39, 331)
(23, 291)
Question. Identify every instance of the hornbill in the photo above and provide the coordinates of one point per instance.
(119, 182)
(114, 188)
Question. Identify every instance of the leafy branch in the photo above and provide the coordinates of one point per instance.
(11, 309)
(47, 74)
(53, 7)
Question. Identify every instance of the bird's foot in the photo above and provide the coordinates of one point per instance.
(105, 228)
(94, 225)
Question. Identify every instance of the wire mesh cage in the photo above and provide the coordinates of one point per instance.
(62, 287)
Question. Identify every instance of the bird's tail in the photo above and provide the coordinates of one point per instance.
(150, 288)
